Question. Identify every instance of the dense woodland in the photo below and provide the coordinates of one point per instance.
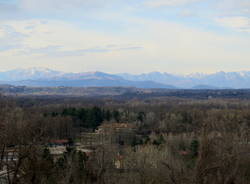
(177, 140)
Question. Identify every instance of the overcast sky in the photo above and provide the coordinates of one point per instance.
(136, 36)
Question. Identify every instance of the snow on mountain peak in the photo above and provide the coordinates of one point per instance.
(219, 79)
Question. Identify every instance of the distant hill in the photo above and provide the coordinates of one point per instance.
(204, 87)
(88, 83)
(46, 77)
(213, 81)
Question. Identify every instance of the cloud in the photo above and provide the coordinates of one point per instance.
(159, 3)
(233, 7)
(59, 39)
(8, 10)
(148, 45)
(10, 39)
(187, 13)
(60, 6)
(238, 23)
(140, 44)
(59, 51)
(61, 45)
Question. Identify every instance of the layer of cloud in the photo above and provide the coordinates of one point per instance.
(10, 38)
(59, 39)
(59, 51)
(233, 7)
(150, 45)
(238, 23)
(128, 40)
(57, 6)
(160, 3)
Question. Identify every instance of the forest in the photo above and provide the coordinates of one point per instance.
(150, 140)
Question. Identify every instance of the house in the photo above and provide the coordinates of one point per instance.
(59, 142)
(109, 133)
(57, 151)
(91, 139)
(110, 127)
(118, 133)
(87, 151)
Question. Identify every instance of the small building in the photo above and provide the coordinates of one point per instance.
(109, 133)
(59, 142)
(87, 151)
(119, 133)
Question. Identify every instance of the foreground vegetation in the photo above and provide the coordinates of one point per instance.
(160, 140)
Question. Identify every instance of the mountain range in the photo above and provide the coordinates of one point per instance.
(50, 78)
(42, 77)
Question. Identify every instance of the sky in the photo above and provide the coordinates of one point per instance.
(117, 36)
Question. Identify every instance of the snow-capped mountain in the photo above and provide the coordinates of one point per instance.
(27, 74)
(48, 77)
